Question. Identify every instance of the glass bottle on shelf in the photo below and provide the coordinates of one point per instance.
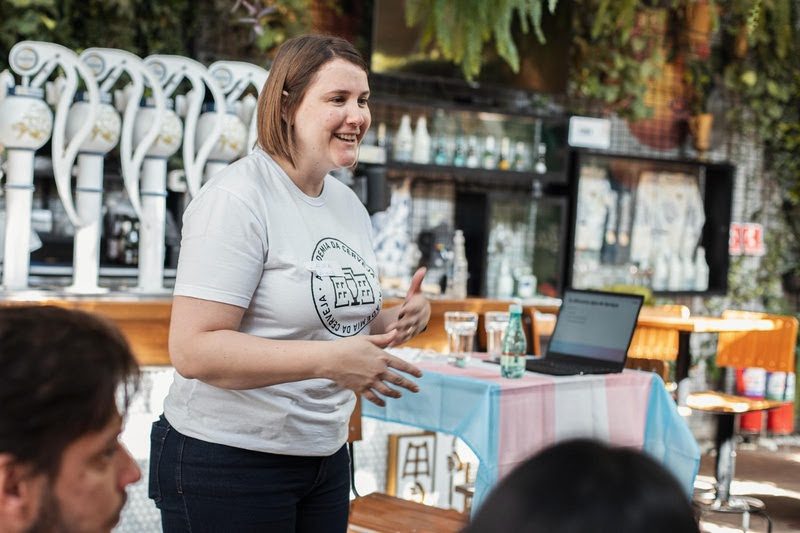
(421, 152)
(440, 152)
(540, 167)
(459, 153)
(521, 162)
(458, 280)
(404, 140)
(489, 159)
(380, 138)
(505, 281)
(512, 359)
(472, 160)
(504, 163)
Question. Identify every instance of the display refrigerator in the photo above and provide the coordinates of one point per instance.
(659, 224)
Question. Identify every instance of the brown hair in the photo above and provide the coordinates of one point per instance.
(296, 64)
(60, 374)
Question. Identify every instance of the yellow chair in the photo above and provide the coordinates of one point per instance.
(653, 348)
(772, 350)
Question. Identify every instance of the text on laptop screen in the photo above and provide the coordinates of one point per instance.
(595, 325)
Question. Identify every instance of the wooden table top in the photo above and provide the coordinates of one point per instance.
(705, 324)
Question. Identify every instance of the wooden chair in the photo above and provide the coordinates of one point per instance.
(773, 351)
(653, 348)
(379, 512)
(542, 326)
(386, 514)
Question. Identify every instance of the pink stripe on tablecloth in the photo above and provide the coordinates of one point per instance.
(527, 423)
(627, 395)
(528, 411)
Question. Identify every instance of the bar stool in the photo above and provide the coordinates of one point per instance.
(772, 350)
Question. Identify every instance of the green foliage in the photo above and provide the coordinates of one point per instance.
(764, 84)
(763, 87)
(274, 21)
(140, 26)
(699, 78)
(617, 53)
(460, 29)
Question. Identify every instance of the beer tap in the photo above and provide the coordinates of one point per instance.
(107, 66)
(234, 78)
(26, 123)
(170, 71)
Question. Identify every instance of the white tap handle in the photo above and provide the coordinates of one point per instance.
(40, 58)
(6, 82)
(234, 77)
(171, 70)
(108, 64)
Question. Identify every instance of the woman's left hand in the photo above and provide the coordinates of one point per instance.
(414, 313)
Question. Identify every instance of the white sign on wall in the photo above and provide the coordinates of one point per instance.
(589, 132)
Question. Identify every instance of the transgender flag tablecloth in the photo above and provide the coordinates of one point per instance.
(505, 421)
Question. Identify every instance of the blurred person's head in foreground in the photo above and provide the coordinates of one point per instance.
(582, 485)
(66, 377)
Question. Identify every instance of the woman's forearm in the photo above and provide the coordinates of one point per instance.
(234, 360)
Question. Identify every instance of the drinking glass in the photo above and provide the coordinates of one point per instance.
(460, 327)
(496, 322)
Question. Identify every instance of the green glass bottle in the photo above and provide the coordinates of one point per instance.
(512, 360)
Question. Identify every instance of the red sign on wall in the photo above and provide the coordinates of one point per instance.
(746, 239)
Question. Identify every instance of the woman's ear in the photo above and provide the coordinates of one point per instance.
(284, 116)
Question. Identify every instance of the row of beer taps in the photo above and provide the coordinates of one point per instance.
(156, 120)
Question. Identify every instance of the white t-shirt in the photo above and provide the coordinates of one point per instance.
(304, 269)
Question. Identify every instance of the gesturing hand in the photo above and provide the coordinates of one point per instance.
(362, 366)
(414, 313)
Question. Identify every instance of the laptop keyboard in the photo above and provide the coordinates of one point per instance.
(545, 366)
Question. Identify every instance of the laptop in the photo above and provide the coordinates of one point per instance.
(592, 334)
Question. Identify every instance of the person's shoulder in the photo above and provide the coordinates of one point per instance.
(245, 170)
(340, 190)
(247, 177)
(241, 182)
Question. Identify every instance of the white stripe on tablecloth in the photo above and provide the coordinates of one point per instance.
(581, 409)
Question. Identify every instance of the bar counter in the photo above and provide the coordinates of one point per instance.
(144, 319)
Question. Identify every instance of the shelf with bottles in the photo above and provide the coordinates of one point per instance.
(510, 178)
(469, 143)
(648, 222)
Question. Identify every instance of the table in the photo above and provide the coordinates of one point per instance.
(698, 324)
(505, 421)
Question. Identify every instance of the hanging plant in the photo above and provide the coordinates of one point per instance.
(460, 30)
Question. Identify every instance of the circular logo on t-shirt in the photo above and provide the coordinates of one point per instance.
(344, 288)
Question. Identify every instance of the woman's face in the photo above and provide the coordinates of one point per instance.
(332, 118)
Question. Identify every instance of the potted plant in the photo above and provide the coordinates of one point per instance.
(699, 81)
(617, 53)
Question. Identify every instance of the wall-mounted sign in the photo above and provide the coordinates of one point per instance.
(746, 239)
(589, 132)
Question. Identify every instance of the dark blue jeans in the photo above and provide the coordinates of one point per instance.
(205, 487)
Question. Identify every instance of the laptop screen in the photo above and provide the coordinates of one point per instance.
(595, 325)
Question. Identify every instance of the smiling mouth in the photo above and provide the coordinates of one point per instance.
(346, 137)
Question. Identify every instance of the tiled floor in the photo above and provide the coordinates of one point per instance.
(768, 470)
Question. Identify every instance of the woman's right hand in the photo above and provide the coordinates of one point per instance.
(360, 364)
